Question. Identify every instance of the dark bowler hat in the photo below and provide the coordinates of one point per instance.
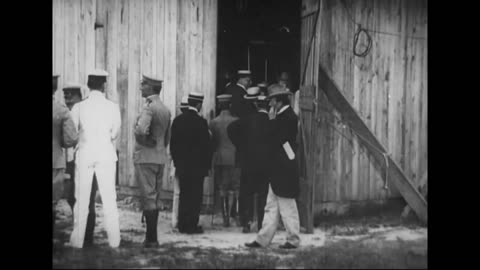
(151, 81)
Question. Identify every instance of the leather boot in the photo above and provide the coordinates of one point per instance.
(154, 227)
(150, 241)
(225, 212)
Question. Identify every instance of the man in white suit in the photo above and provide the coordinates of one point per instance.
(98, 122)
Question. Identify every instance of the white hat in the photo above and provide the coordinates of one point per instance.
(98, 73)
(224, 98)
(244, 72)
(252, 93)
(72, 85)
(184, 102)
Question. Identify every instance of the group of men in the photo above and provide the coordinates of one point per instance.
(244, 142)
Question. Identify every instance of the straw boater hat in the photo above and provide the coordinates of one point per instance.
(74, 86)
(195, 96)
(276, 90)
(224, 98)
(244, 73)
(252, 93)
(184, 102)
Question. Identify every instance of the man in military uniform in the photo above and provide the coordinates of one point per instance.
(152, 137)
(226, 175)
(98, 121)
(72, 94)
(64, 135)
(191, 152)
(283, 174)
(240, 107)
(250, 135)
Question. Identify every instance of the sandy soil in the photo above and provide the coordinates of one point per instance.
(228, 239)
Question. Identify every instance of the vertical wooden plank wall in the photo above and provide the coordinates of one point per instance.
(388, 88)
(172, 39)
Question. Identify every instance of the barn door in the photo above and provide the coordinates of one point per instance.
(306, 151)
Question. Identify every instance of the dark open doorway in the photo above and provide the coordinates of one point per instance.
(260, 35)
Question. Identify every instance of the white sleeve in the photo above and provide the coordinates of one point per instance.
(117, 121)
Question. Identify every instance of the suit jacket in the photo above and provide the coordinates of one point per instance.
(283, 171)
(190, 144)
(64, 133)
(152, 132)
(240, 107)
(251, 137)
(223, 147)
(98, 122)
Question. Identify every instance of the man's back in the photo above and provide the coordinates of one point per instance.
(223, 147)
(240, 107)
(64, 133)
(98, 121)
(190, 143)
(158, 132)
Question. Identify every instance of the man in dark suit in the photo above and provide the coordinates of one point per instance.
(64, 135)
(250, 135)
(191, 151)
(240, 107)
(151, 135)
(284, 181)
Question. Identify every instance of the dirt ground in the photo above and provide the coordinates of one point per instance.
(367, 243)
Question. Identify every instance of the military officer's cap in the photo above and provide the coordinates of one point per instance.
(195, 96)
(184, 102)
(151, 81)
(97, 75)
(252, 93)
(72, 86)
(277, 90)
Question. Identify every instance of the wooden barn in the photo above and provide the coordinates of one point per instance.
(171, 39)
(364, 114)
(360, 68)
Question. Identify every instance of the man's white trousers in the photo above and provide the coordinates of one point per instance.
(277, 207)
(105, 173)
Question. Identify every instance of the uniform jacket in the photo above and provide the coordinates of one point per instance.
(190, 144)
(152, 131)
(98, 122)
(284, 172)
(251, 137)
(240, 107)
(224, 150)
(64, 133)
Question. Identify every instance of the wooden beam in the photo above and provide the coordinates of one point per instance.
(423, 191)
(408, 191)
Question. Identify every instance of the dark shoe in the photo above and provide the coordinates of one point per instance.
(253, 244)
(287, 245)
(246, 229)
(151, 244)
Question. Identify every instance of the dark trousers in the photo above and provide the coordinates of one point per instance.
(252, 183)
(191, 195)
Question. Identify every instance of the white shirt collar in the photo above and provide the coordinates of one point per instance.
(152, 97)
(242, 86)
(96, 93)
(283, 109)
(263, 111)
(192, 108)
